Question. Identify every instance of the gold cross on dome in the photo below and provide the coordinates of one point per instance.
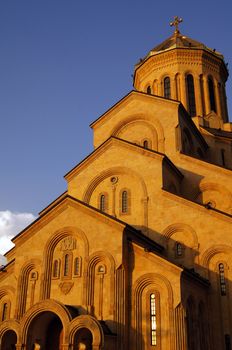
(176, 23)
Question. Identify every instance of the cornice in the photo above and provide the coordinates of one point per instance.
(205, 164)
(177, 57)
(198, 207)
(106, 145)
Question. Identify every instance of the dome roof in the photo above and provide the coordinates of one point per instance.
(179, 41)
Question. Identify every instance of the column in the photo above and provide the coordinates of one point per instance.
(206, 95)
(198, 97)
(180, 328)
(160, 88)
(183, 97)
(173, 88)
(217, 97)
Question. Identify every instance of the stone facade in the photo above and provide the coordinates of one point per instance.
(137, 253)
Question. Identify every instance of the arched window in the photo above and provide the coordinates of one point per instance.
(145, 144)
(149, 90)
(4, 311)
(77, 266)
(124, 202)
(191, 95)
(179, 249)
(102, 202)
(211, 95)
(66, 264)
(167, 88)
(222, 279)
(153, 319)
(55, 273)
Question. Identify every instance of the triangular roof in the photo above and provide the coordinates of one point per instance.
(133, 146)
(125, 99)
(133, 234)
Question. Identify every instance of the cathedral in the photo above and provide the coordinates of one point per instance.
(137, 253)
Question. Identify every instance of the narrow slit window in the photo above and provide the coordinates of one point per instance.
(124, 202)
(179, 249)
(149, 90)
(145, 144)
(167, 88)
(191, 95)
(153, 320)
(222, 279)
(55, 268)
(77, 266)
(103, 202)
(211, 95)
(66, 264)
(4, 311)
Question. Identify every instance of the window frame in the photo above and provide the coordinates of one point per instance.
(167, 87)
(158, 319)
(128, 204)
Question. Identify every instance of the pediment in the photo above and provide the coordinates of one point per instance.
(129, 100)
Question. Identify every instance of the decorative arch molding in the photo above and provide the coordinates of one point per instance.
(113, 171)
(10, 325)
(180, 227)
(211, 252)
(211, 186)
(155, 279)
(117, 171)
(150, 121)
(44, 306)
(93, 260)
(7, 291)
(89, 322)
(48, 254)
(27, 267)
(160, 284)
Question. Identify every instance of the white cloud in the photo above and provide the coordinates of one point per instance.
(10, 225)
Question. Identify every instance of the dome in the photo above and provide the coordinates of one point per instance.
(179, 41)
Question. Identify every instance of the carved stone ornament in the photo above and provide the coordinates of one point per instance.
(68, 243)
(66, 287)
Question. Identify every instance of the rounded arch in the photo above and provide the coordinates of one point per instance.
(51, 305)
(150, 120)
(93, 260)
(180, 227)
(25, 270)
(7, 291)
(48, 254)
(113, 171)
(156, 279)
(99, 256)
(212, 251)
(155, 283)
(212, 186)
(10, 325)
(89, 322)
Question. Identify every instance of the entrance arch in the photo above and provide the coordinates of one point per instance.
(85, 333)
(45, 329)
(83, 340)
(9, 340)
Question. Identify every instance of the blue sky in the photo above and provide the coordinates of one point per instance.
(62, 64)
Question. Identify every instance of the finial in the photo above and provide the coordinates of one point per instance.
(176, 23)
